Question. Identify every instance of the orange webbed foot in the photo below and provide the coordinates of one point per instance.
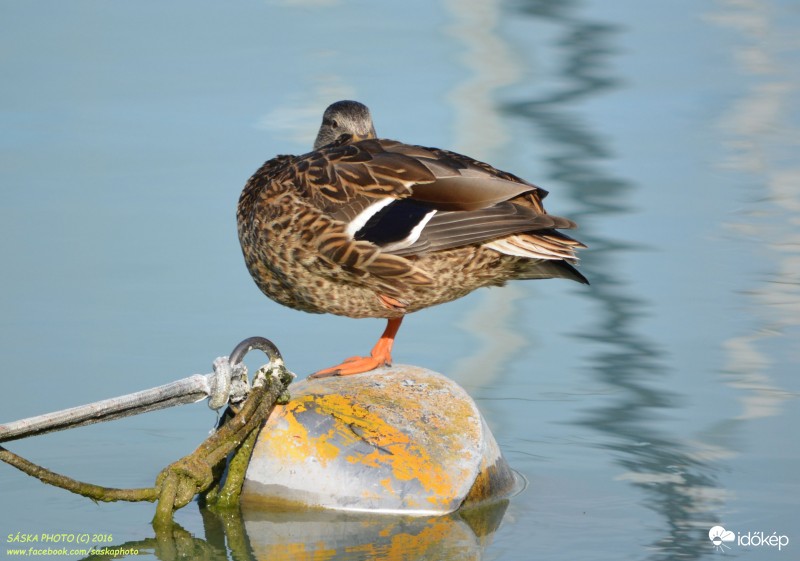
(353, 365)
(381, 355)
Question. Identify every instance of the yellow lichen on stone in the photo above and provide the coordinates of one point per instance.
(292, 438)
(391, 447)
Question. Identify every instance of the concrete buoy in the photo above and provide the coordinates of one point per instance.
(401, 440)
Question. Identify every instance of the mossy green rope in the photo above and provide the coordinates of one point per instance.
(178, 483)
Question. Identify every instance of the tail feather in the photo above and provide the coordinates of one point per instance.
(551, 269)
(551, 245)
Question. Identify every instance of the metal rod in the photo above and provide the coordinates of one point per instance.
(187, 390)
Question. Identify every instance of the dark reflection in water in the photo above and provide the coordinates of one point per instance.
(657, 463)
(248, 535)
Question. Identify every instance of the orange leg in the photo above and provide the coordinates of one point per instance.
(381, 355)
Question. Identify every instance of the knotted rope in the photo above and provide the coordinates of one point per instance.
(201, 471)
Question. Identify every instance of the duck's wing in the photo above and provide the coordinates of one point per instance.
(405, 200)
(410, 199)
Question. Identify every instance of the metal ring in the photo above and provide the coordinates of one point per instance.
(260, 343)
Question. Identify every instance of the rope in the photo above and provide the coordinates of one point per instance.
(221, 382)
(227, 384)
(200, 472)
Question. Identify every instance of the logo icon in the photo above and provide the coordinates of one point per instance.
(718, 536)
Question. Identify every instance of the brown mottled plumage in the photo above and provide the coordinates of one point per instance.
(363, 227)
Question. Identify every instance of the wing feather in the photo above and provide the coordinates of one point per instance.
(461, 201)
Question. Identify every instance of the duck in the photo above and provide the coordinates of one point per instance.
(366, 227)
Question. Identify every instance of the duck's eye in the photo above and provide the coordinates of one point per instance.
(334, 124)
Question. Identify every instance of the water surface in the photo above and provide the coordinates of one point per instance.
(643, 410)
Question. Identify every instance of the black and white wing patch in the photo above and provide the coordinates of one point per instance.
(391, 224)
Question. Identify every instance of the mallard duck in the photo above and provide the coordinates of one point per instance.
(373, 228)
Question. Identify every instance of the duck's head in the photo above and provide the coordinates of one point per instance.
(345, 117)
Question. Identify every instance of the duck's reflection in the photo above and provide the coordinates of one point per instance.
(257, 535)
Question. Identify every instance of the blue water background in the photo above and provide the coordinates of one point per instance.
(643, 410)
